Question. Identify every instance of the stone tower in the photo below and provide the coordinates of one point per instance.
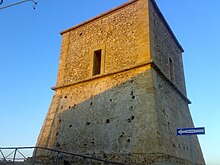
(120, 91)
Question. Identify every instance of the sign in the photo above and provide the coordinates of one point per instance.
(190, 131)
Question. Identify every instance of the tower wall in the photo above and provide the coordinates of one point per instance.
(122, 34)
(113, 119)
(171, 102)
(128, 111)
(165, 47)
(173, 112)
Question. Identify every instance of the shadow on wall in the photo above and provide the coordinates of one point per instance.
(110, 117)
(104, 100)
(112, 121)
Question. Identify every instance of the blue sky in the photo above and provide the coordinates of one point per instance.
(30, 46)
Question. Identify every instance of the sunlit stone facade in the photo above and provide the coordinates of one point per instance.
(120, 92)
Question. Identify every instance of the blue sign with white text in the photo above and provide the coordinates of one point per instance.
(190, 131)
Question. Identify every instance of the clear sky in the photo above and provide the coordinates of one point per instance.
(30, 46)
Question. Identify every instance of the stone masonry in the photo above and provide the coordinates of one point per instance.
(120, 91)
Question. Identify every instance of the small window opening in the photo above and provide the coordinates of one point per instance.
(171, 69)
(97, 62)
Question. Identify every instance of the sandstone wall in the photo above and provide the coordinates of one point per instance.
(173, 112)
(123, 36)
(130, 111)
(170, 93)
(111, 117)
(164, 46)
(115, 116)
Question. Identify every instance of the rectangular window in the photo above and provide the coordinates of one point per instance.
(171, 69)
(97, 60)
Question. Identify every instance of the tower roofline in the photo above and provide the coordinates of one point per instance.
(122, 6)
(99, 16)
(167, 25)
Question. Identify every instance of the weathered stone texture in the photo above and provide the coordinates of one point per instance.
(173, 112)
(130, 111)
(164, 46)
(172, 108)
(117, 33)
(110, 115)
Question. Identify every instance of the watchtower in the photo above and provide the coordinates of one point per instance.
(120, 91)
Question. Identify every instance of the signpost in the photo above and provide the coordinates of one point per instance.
(189, 132)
